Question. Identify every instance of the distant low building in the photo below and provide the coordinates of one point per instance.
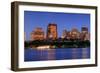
(37, 34)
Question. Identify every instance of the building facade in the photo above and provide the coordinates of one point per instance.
(37, 34)
(74, 34)
(84, 29)
(64, 34)
(85, 35)
(52, 31)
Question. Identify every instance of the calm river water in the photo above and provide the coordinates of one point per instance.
(31, 54)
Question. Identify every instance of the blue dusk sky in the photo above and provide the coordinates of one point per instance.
(33, 19)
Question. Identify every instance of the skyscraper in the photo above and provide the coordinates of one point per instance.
(52, 31)
(64, 34)
(84, 33)
(84, 30)
(74, 34)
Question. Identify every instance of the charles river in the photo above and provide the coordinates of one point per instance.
(31, 54)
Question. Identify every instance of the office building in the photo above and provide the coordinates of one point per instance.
(52, 31)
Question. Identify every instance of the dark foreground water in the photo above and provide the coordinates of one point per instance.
(56, 54)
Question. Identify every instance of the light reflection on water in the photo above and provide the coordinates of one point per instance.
(31, 54)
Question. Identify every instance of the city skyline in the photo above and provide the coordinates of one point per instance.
(33, 20)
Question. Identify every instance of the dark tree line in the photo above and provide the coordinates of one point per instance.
(59, 43)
